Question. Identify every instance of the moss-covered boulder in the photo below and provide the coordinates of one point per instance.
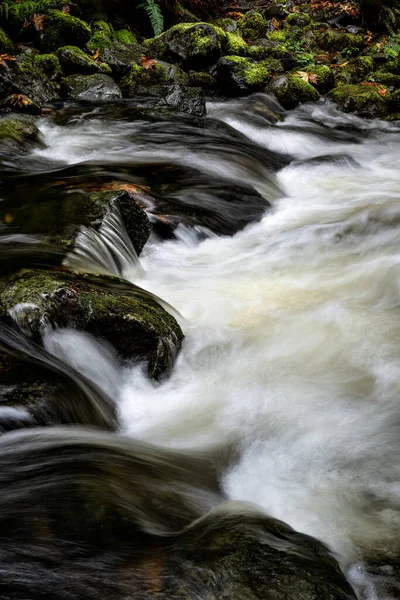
(90, 87)
(18, 134)
(202, 80)
(120, 57)
(124, 36)
(130, 320)
(155, 74)
(24, 76)
(6, 45)
(50, 65)
(386, 79)
(74, 61)
(338, 40)
(62, 29)
(292, 90)
(323, 79)
(252, 26)
(298, 19)
(102, 37)
(195, 45)
(365, 101)
(235, 45)
(241, 75)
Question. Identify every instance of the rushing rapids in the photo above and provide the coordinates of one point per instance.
(276, 243)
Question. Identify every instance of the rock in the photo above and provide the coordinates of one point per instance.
(235, 45)
(298, 19)
(50, 65)
(132, 322)
(185, 99)
(22, 104)
(62, 29)
(291, 90)
(6, 45)
(241, 75)
(74, 61)
(202, 80)
(362, 100)
(157, 73)
(90, 87)
(252, 26)
(275, 10)
(336, 40)
(59, 215)
(324, 78)
(102, 37)
(25, 77)
(120, 56)
(196, 45)
(18, 134)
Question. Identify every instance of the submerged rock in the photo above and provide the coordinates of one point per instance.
(131, 321)
(90, 87)
(291, 90)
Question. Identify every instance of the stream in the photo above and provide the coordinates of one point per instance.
(292, 324)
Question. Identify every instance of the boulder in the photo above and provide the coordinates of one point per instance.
(24, 76)
(6, 45)
(241, 75)
(291, 90)
(50, 65)
(131, 321)
(124, 36)
(102, 37)
(338, 40)
(62, 29)
(189, 100)
(74, 61)
(365, 101)
(252, 26)
(18, 134)
(154, 74)
(90, 87)
(120, 56)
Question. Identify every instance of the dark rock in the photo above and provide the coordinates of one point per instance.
(90, 87)
(5, 43)
(25, 77)
(157, 74)
(120, 56)
(130, 320)
(186, 99)
(202, 80)
(362, 100)
(291, 90)
(193, 45)
(61, 29)
(74, 61)
(22, 104)
(18, 134)
(252, 26)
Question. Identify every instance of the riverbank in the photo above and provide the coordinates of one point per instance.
(58, 55)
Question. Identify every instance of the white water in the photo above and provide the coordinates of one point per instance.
(292, 336)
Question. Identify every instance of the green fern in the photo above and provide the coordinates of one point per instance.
(155, 15)
(21, 11)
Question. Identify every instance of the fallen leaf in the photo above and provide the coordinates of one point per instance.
(147, 62)
(312, 78)
(8, 218)
(96, 54)
(38, 21)
(275, 23)
(66, 10)
(333, 65)
(382, 91)
(303, 75)
(4, 58)
(20, 100)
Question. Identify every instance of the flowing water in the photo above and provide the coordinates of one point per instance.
(292, 325)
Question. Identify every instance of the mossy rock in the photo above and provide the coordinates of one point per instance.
(18, 134)
(24, 76)
(235, 45)
(50, 65)
(202, 80)
(252, 26)
(241, 75)
(324, 78)
(61, 29)
(133, 323)
(193, 45)
(6, 45)
(385, 78)
(120, 56)
(299, 19)
(90, 87)
(74, 61)
(361, 100)
(277, 36)
(336, 40)
(291, 90)
(124, 36)
(98, 42)
(159, 73)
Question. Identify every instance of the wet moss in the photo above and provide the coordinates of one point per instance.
(361, 100)
(235, 45)
(252, 26)
(125, 36)
(291, 90)
(6, 45)
(49, 64)
(140, 76)
(62, 29)
(336, 40)
(276, 36)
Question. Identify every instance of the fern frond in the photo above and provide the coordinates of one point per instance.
(155, 15)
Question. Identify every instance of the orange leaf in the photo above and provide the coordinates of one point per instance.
(96, 54)
(275, 23)
(66, 10)
(382, 91)
(147, 62)
(8, 218)
(38, 20)
(312, 78)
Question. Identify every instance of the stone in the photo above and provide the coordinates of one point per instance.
(24, 76)
(62, 29)
(74, 61)
(291, 90)
(189, 100)
(241, 75)
(361, 100)
(90, 87)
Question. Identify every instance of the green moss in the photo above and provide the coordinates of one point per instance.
(333, 39)
(62, 29)
(5, 43)
(235, 44)
(360, 99)
(366, 63)
(125, 36)
(252, 26)
(75, 61)
(225, 23)
(298, 18)
(387, 79)
(325, 79)
(49, 64)
(18, 130)
(202, 80)
(291, 90)
(140, 76)
(276, 36)
(99, 41)
(304, 60)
